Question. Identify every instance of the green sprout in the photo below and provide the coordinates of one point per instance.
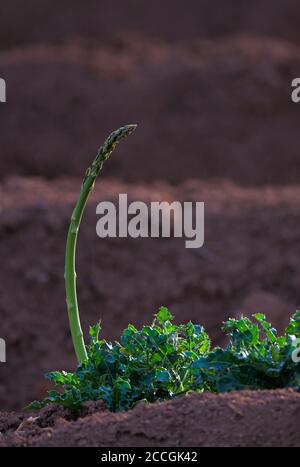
(70, 275)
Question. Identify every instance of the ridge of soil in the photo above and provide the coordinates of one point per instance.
(208, 108)
(168, 20)
(246, 418)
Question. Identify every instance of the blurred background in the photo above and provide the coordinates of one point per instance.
(209, 85)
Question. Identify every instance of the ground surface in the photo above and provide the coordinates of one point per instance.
(168, 20)
(269, 418)
(206, 108)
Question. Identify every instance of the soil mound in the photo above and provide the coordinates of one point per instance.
(210, 108)
(258, 418)
(169, 20)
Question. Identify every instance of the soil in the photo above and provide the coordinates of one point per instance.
(169, 20)
(261, 418)
(206, 108)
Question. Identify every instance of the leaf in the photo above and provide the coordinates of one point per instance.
(163, 315)
(94, 333)
(294, 326)
(162, 376)
(266, 327)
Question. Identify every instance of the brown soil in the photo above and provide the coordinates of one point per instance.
(168, 20)
(206, 109)
(249, 263)
(261, 418)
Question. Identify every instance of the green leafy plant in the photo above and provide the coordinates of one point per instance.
(164, 360)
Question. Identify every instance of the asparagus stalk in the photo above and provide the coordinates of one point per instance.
(70, 274)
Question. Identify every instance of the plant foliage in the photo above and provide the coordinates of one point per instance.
(164, 360)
